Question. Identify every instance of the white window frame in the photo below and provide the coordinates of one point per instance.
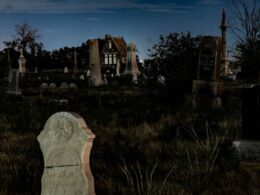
(106, 58)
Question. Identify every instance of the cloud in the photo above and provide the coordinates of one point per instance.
(93, 19)
(211, 2)
(86, 6)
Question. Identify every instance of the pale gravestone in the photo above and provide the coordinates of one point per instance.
(66, 142)
(13, 82)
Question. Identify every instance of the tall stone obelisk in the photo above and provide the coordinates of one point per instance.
(224, 53)
(94, 62)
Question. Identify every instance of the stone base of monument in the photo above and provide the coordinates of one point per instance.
(206, 93)
(201, 101)
(247, 150)
(214, 88)
(14, 92)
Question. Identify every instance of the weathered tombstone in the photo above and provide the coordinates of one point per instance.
(208, 87)
(209, 59)
(66, 70)
(209, 66)
(13, 82)
(249, 147)
(66, 142)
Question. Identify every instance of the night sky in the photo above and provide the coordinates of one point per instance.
(71, 22)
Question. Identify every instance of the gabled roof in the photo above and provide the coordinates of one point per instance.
(121, 45)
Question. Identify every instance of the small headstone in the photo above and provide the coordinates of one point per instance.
(66, 70)
(73, 86)
(64, 85)
(81, 77)
(66, 142)
(52, 86)
(44, 85)
(13, 82)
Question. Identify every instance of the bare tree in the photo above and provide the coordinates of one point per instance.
(245, 25)
(245, 21)
(26, 36)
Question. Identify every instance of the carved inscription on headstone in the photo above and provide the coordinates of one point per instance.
(66, 143)
(207, 60)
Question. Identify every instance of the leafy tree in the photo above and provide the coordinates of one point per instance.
(175, 57)
(245, 24)
(65, 57)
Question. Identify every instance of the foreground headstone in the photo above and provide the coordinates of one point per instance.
(66, 143)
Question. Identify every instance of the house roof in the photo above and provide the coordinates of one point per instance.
(121, 45)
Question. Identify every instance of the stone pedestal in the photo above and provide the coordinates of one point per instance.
(22, 62)
(66, 143)
(247, 149)
(214, 88)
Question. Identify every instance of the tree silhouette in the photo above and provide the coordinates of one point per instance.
(245, 24)
(175, 57)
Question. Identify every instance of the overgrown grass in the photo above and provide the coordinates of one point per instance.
(190, 148)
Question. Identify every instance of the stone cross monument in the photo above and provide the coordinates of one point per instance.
(22, 61)
(66, 142)
(131, 64)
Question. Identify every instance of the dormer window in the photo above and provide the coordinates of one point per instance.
(110, 45)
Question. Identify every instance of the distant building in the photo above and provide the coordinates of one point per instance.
(108, 58)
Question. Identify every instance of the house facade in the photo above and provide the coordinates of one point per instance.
(108, 58)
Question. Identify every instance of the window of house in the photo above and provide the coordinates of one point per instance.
(110, 59)
(106, 59)
(110, 45)
(114, 58)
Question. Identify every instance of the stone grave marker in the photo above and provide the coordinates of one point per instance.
(13, 82)
(248, 148)
(66, 142)
(209, 61)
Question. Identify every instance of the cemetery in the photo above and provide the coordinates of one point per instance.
(111, 127)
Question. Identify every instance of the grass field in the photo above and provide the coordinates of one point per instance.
(144, 145)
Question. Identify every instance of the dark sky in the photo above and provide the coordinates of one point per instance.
(71, 22)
